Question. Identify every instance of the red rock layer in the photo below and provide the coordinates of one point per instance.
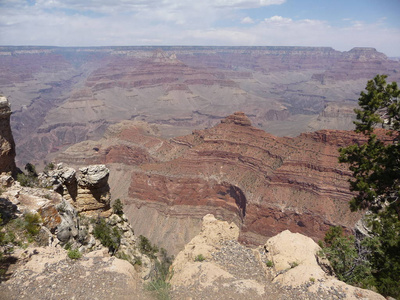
(288, 183)
(265, 183)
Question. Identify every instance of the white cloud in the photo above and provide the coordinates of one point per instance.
(246, 3)
(278, 20)
(182, 22)
(247, 20)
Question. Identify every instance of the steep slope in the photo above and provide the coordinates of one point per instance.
(264, 183)
(7, 145)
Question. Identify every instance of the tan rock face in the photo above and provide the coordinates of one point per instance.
(211, 237)
(7, 145)
(294, 257)
(87, 190)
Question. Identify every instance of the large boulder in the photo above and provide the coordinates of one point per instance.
(295, 263)
(87, 190)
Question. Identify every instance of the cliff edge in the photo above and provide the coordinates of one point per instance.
(7, 145)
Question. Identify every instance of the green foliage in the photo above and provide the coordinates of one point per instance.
(161, 289)
(384, 245)
(348, 261)
(312, 279)
(109, 236)
(146, 247)
(17, 232)
(68, 246)
(74, 254)
(133, 260)
(49, 167)
(200, 258)
(118, 207)
(293, 264)
(269, 263)
(160, 280)
(31, 169)
(30, 179)
(376, 179)
(137, 261)
(32, 223)
(26, 180)
(376, 164)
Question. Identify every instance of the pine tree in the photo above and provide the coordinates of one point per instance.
(376, 179)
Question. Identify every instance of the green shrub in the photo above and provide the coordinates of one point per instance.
(137, 261)
(32, 223)
(118, 207)
(68, 246)
(133, 260)
(269, 263)
(27, 180)
(346, 259)
(200, 258)
(109, 236)
(31, 169)
(146, 247)
(30, 179)
(74, 254)
(159, 284)
(50, 166)
(160, 288)
(293, 264)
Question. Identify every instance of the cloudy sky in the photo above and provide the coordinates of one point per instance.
(341, 24)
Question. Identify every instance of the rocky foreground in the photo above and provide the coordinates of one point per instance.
(212, 266)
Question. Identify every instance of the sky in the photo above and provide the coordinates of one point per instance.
(341, 24)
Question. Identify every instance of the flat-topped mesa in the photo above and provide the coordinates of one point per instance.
(7, 145)
(238, 118)
(365, 52)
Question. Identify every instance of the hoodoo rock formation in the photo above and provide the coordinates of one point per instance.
(7, 145)
(87, 190)
(265, 184)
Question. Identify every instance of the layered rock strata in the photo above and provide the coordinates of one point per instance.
(265, 184)
(7, 145)
(62, 96)
(87, 190)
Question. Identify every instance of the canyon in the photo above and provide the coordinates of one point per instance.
(248, 134)
(261, 182)
(61, 96)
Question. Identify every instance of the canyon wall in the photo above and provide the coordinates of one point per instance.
(62, 96)
(263, 183)
(7, 145)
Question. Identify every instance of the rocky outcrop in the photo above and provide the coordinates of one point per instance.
(87, 190)
(286, 267)
(47, 273)
(295, 263)
(61, 227)
(7, 145)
